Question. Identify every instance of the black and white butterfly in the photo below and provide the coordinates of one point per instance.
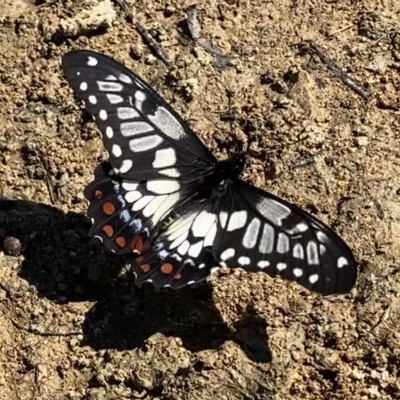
(164, 197)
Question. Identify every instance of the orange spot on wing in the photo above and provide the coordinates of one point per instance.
(137, 244)
(145, 268)
(98, 194)
(108, 208)
(167, 268)
(121, 241)
(108, 230)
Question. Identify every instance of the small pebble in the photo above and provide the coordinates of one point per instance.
(12, 246)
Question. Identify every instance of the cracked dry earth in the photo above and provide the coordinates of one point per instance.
(73, 326)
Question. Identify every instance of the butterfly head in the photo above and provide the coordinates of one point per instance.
(237, 163)
(230, 169)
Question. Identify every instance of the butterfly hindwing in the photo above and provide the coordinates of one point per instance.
(183, 253)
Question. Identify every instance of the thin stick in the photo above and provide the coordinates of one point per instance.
(334, 68)
(341, 30)
(150, 41)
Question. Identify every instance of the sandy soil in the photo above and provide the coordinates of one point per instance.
(72, 329)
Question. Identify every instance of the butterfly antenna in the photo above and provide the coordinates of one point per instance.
(230, 117)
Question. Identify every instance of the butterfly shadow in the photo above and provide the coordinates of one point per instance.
(66, 265)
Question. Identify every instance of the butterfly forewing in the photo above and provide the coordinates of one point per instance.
(144, 137)
(260, 232)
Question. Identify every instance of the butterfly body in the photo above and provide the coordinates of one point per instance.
(164, 197)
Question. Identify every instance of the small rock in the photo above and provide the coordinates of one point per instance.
(362, 141)
(93, 17)
(12, 246)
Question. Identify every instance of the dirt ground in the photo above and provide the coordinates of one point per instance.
(73, 326)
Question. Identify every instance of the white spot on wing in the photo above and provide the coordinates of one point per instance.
(125, 78)
(141, 203)
(145, 143)
(164, 158)
(109, 86)
(126, 166)
(209, 239)
(299, 228)
(132, 196)
(83, 86)
(342, 262)
(313, 278)
(237, 220)
(251, 235)
(127, 113)
(135, 128)
(114, 98)
(322, 237)
(109, 132)
(244, 260)
(267, 240)
(140, 97)
(171, 172)
(223, 219)
(180, 239)
(160, 186)
(182, 229)
(283, 243)
(227, 254)
(263, 264)
(103, 115)
(203, 223)
(184, 247)
(298, 251)
(92, 61)
(312, 253)
(116, 150)
(129, 186)
(273, 210)
(154, 205)
(165, 207)
(195, 249)
(297, 272)
(92, 99)
(167, 123)
(281, 266)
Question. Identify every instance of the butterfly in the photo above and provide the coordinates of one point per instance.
(163, 196)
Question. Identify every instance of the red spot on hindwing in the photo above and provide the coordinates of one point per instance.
(98, 194)
(145, 268)
(108, 230)
(108, 208)
(167, 268)
(121, 241)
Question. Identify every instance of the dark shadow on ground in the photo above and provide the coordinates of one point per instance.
(66, 265)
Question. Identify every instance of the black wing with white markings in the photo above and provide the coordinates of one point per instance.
(155, 160)
(261, 232)
(143, 135)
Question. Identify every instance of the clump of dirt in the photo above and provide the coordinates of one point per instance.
(73, 324)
